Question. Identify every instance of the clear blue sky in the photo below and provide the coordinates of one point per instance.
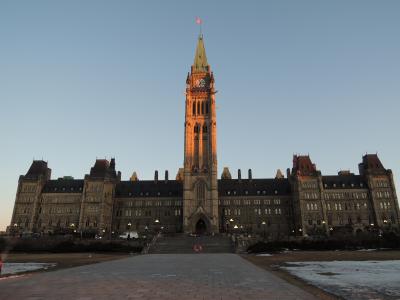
(87, 79)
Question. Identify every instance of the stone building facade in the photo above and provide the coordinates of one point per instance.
(304, 202)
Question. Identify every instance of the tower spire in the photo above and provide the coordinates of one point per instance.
(200, 58)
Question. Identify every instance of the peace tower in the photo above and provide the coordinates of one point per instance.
(200, 187)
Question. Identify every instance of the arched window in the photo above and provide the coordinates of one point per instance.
(194, 108)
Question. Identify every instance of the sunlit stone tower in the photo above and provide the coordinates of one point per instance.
(200, 190)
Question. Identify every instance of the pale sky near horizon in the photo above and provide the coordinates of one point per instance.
(87, 79)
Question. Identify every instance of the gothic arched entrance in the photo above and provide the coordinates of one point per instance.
(201, 227)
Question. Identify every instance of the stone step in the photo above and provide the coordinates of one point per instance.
(185, 244)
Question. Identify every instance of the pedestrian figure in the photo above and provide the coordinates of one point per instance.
(197, 248)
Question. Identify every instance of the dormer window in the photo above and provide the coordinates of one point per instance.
(334, 185)
(264, 192)
(246, 192)
(343, 185)
(276, 192)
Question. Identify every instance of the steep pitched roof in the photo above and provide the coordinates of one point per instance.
(149, 188)
(63, 186)
(302, 165)
(253, 187)
(200, 58)
(37, 168)
(350, 181)
(103, 169)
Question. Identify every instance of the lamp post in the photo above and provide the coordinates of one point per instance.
(263, 223)
(15, 228)
(157, 222)
(324, 226)
(72, 225)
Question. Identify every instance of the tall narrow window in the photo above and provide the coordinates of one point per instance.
(198, 108)
(207, 107)
(205, 129)
(196, 128)
(194, 108)
(202, 107)
(200, 192)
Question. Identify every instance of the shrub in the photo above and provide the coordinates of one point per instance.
(387, 240)
(69, 245)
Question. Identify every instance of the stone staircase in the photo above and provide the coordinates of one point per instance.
(183, 243)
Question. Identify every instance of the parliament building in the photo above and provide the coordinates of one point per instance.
(301, 202)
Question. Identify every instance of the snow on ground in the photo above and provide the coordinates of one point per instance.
(352, 279)
(14, 268)
(264, 254)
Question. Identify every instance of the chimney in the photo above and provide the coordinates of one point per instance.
(166, 176)
(250, 175)
(239, 174)
(156, 176)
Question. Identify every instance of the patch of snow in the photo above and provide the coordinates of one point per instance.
(352, 279)
(367, 250)
(14, 268)
(264, 254)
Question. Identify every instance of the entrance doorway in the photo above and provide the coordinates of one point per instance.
(201, 227)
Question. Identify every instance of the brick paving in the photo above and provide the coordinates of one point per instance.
(157, 276)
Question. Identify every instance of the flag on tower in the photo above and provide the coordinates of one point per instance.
(199, 21)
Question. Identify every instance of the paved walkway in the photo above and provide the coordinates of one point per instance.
(158, 276)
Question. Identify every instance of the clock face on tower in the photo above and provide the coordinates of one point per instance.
(200, 83)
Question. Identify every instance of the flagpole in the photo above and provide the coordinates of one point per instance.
(199, 22)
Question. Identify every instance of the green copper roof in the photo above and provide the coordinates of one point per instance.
(200, 58)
